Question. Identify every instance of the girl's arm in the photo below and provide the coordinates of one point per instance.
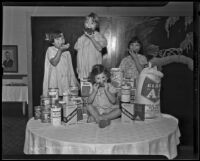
(96, 44)
(137, 62)
(111, 96)
(93, 94)
(55, 60)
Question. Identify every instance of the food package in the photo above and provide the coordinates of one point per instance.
(86, 88)
(148, 91)
(70, 114)
(127, 112)
(116, 77)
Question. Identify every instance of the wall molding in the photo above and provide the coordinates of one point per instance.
(14, 76)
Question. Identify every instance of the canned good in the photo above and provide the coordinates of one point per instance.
(53, 100)
(45, 114)
(56, 115)
(37, 110)
(44, 100)
(125, 93)
(73, 91)
(53, 92)
(66, 97)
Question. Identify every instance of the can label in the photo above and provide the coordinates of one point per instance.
(56, 116)
(45, 101)
(53, 92)
(37, 112)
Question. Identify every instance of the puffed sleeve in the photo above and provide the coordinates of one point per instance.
(77, 45)
(101, 39)
(143, 60)
(122, 65)
(50, 53)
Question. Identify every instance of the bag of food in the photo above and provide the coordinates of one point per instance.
(148, 91)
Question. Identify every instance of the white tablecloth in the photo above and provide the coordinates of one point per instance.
(15, 94)
(149, 137)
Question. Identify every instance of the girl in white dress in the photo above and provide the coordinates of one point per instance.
(89, 46)
(102, 102)
(59, 71)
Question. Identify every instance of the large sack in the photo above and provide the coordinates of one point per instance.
(148, 91)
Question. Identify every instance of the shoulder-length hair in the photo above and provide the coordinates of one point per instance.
(136, 39)
(98, 69)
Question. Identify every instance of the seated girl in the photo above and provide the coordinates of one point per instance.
(102, 102)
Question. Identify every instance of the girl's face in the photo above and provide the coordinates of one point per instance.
(90, 23)
(135, 47)
(101, 78)
(58, 42)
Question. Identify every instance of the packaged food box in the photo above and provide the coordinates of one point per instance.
(127, 112)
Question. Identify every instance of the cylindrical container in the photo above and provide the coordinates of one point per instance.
(56, 115)
(37, 110)
(44, 100)
(66, 97)
(53, 100)
(73, 91)
(45, 114)
(125, 93)
(116, 77)
(62, 105)
(53, 92)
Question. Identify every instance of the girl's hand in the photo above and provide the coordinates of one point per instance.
(88, 35)
(95, 87)
(64, 47)
(133, 54)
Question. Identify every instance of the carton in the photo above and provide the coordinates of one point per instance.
(70, 114)
(127, 112)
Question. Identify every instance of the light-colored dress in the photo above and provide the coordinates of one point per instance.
(88, 55)
(101, 101)
(128, 66)
(60, 76)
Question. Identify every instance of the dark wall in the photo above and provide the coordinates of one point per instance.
(177, 98)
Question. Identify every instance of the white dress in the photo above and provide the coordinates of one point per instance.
(88, 55)
(60, 76)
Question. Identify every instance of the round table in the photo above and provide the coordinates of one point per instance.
(158, 136)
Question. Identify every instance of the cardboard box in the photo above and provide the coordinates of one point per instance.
(127, 112)
(70, 114)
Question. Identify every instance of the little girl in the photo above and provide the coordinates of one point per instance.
(102, 100)
(89, 46)
(59, 71)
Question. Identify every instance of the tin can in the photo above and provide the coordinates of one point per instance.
(62, 105)
(73, 91)
(45, 114)
(44, 100)
(56, 115)
(125, 93)
(53, 92)
(116, 77)
(37, 110)
(66, 97)
(53, 100)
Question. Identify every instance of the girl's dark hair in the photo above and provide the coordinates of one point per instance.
(98, 69)
(53, 35)
(136, 39)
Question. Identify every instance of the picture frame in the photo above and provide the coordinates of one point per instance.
(10, 58)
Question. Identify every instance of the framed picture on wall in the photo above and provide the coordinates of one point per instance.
(10, 58)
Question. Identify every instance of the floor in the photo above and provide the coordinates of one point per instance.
(13, 135)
